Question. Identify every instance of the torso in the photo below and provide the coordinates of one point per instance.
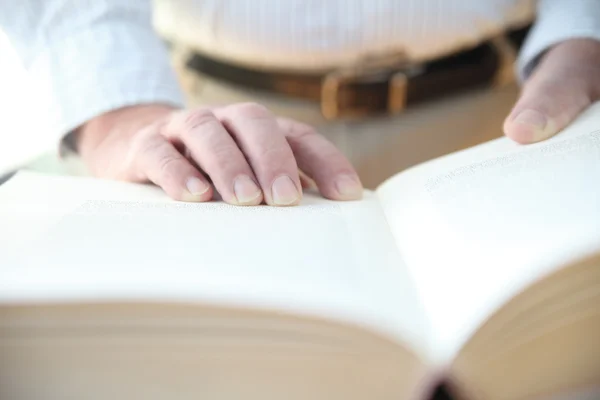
(320, 34)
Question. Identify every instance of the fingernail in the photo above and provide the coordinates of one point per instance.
(245, 190)
(196, 187)
(537, 121)
(284, 191)
(348, 187)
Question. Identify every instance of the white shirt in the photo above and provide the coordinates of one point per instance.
(86, 57)
(324, 34)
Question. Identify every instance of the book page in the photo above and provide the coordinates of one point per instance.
(74, 239)
(478, 226)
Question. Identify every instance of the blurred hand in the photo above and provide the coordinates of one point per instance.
(243, 151)
(565, 82)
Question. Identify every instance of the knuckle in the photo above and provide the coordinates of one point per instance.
(142, 147)
(168, 165)
(195, 119)
(144, 141)
(297, 133)
(251, 110)
(154, 145)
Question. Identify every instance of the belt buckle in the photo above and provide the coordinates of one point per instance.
(336, 80)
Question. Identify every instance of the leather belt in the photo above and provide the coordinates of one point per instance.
(371, 88)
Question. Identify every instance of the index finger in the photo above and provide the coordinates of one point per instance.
(263, 142)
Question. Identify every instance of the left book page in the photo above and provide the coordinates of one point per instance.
(67, 239)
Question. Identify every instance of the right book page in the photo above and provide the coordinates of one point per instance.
(477, 227)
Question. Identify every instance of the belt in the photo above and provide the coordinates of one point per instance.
(371, 89)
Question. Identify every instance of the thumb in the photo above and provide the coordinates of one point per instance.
(566, 82)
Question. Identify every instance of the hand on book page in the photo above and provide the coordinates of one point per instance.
(250, 155)
(563, 83)
(479, 228)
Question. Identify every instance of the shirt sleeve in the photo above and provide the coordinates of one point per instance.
(557, 21)
(87, 57)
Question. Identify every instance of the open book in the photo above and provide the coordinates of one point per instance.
(481, 268)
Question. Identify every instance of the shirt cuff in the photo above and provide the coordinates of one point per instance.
(96, 70)
(557, 21)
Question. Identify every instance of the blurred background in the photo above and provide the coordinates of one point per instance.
(14, 125)
(23, 135)
(23, 138)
